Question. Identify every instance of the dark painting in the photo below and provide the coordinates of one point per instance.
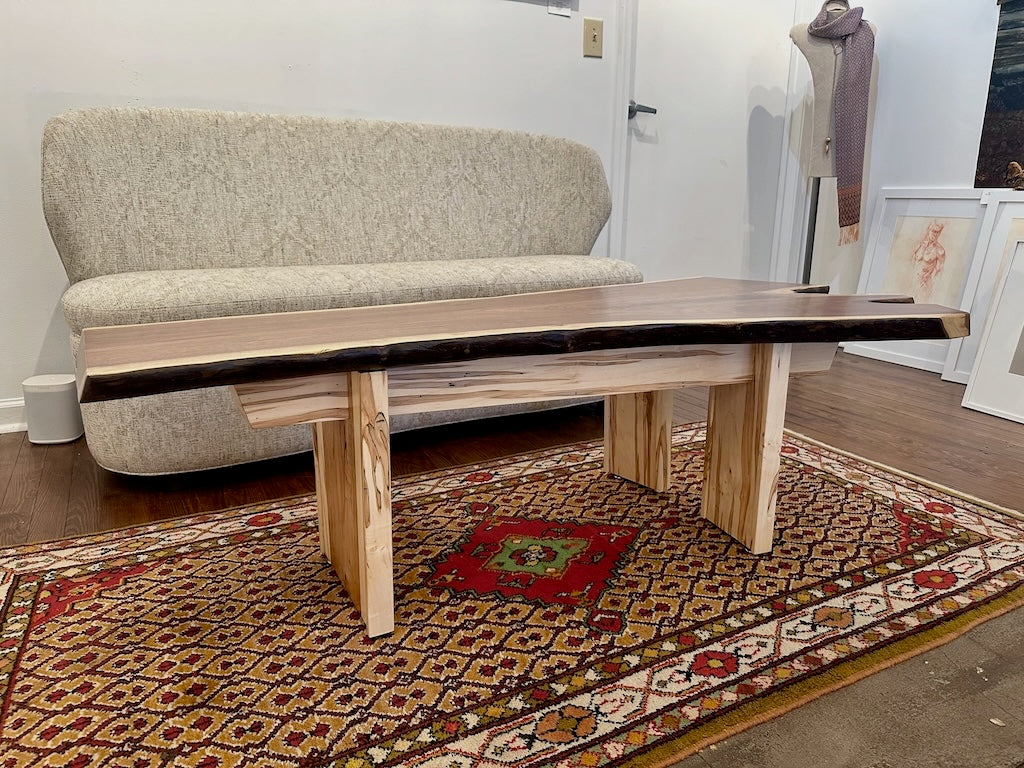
(1001, 155)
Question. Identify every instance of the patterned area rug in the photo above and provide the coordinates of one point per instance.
(547, 614)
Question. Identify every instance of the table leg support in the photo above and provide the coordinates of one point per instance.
(353, 479)
(638, 437)
(328, 455)
(742, 454)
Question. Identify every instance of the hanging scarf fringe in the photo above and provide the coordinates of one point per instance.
(849, 234)
(850, 116)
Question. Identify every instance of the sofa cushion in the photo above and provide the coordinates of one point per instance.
(129, 298)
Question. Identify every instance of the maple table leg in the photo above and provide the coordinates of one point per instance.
(328, 450)
(353, 473)
(638, 437)
(742, 454)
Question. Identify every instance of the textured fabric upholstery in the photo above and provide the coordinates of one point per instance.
(162, 214)
(129, 190)
(187, 294)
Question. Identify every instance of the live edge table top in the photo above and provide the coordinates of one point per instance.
(128, 361)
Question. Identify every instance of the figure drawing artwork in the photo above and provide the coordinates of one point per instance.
(1001, 152)
(928, 259)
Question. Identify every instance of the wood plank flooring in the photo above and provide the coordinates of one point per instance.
(898, 416)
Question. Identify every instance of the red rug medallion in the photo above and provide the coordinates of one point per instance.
(538, 561)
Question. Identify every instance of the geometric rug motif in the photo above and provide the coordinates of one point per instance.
(546, 614)
(536, 560)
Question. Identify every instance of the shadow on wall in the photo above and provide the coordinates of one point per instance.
(643, 131)
(839, 266)
(765, 137)
(55, 351)
(833, 265)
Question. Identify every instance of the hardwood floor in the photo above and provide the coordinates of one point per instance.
(898, 416)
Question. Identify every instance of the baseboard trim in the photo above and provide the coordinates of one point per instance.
(12, 415)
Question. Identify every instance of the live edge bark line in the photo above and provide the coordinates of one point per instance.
(198, 375)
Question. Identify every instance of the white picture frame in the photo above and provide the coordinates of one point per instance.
(1002, 226)
(996, 385)
(922, 243)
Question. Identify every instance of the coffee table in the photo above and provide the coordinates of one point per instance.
(347, 371)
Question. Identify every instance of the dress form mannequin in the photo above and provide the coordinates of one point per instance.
(825, 59)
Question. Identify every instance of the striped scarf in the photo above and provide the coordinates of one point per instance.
(850, 118)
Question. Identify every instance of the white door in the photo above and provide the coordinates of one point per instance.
(702, 179)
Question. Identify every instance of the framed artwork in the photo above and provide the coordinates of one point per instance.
(996, 385)
(922, 244)
(1002, 226)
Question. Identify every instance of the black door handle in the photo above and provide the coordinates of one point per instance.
(634, 108)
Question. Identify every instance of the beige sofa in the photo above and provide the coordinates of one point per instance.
(164, 214)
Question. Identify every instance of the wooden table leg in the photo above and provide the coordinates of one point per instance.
(328, 455)
(742, 453)
(353, 480)
(638, 437)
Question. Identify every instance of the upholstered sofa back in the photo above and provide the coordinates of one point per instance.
(127, 190)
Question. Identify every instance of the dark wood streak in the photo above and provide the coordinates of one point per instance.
(130, 361)
(187, 376)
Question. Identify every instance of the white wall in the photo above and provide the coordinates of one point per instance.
(704, 171)
(495, 63)
(933, 67)
(733, 96)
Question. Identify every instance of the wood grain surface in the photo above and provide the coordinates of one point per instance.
(744, 438)
(353, 484)
(126, 361)
(638, 437)
(368, 492)
(528, 378)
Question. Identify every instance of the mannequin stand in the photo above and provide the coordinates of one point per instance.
(812, 225)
